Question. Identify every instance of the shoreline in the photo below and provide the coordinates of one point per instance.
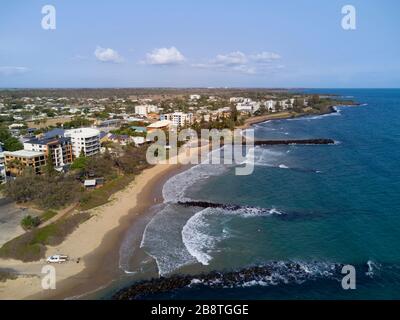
(283, 116)
(96, 243)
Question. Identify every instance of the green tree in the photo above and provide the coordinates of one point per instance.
(50, 171)
(80, 162)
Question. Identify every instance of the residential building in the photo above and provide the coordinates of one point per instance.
(178, 119)
(120, 139)
(16, 162)
(143, 110)
(2, 166)
(270, 105)
(59, 148)
(84, 139)
(248, 106)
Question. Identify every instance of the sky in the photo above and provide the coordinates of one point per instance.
(207, 43)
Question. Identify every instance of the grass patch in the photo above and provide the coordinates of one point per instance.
(47, 215)
(102, 195)
(31, 246)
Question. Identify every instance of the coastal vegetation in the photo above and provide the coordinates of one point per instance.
(50, 192)
(9, 142)
(31, 246)
(7, 275)
(30, 222)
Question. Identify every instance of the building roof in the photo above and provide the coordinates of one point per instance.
(24, 154)
(83, 132)
(54, 133)
(140, 129)
(90, 183)
(46, 141)
(160, 124)
(102, 134)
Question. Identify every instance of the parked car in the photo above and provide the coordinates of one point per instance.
(57, 259)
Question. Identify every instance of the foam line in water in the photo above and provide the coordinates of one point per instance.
(273, 273)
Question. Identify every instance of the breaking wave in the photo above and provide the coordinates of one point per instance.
(270, 274)
(196, 236)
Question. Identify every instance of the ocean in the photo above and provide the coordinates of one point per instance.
(316, 206)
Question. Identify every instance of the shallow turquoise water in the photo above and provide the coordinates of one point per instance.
(338, 204)
(321, 205)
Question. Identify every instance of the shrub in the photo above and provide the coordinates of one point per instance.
(30, 222)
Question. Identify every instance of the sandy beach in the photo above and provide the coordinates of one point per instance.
(95, 243)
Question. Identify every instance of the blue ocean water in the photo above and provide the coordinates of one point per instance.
(326, 204)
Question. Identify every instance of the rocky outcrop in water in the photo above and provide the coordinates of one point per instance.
(274, 273)
(292, 142)
(205, 204)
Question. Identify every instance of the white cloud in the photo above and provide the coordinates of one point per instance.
(233, 58)
(265, 57)
(245, 69)
(238, 61)
(107, 55)
(9, 71)
(165, 56)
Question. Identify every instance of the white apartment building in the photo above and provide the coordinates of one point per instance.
(145, 109)
(178, 119)
(195, 97)
(270, 105)
(248, 106)
(86, 139)
(239, 99)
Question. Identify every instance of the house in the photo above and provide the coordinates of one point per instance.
(120, 139)
(138, 140)
(195, 97)
(16, 162)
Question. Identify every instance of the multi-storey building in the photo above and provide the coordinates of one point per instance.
(60, 149)
(16, 162)
(178, 119)
(86, 140)
(143, 110)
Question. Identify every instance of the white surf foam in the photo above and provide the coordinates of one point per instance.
(196, 235)
(161, 241)
(174, 189)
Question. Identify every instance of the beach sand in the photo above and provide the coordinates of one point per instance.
(95, 243)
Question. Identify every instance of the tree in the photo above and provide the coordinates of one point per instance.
(315, 99)
(50, 164)
(234, 113)
(9, 142)
(80, 162)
